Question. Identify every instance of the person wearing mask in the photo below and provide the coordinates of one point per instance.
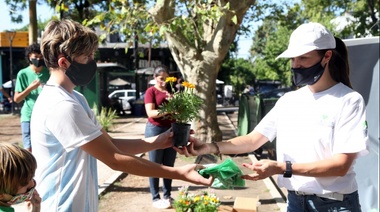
(320, 128)
(7, 100)
(68, 140)
(29, 83)
(17, 168)
(157, 123)
(5, 94)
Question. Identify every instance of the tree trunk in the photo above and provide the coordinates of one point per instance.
(200, 64)
(32, 21)
(203, 74)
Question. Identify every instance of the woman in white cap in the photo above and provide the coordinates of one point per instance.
(320, 128)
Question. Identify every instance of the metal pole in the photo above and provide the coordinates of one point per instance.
(11, 35)
(136, 58)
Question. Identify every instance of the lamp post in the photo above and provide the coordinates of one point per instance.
(136, 62)
(11, 35)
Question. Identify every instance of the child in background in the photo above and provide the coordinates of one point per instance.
(17, 167)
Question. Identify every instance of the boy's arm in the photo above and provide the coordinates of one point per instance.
(104, 150)
(140, 145)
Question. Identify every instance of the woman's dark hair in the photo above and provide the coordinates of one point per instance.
(338, 65)
(159, 69)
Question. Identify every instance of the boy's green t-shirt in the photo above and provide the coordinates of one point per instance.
(6, 209)
(24, 78)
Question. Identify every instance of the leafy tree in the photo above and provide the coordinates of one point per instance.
(199, 34)
(78, 10)
(238, 73)
(269, 40)
(17, 18)
(272, 36)
(365, 15)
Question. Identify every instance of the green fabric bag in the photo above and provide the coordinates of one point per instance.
(227, 174)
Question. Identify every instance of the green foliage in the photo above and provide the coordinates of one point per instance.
(272, 36)
(187, 18)
(190, 202)
(238, 73)
(106, 117)
(182, 106)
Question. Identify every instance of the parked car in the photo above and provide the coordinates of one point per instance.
(124, 97)
(275, 93)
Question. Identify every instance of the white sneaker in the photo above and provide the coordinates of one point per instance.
(161, 204)
(169, 201)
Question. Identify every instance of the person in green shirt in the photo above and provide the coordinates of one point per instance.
(17, 168)
(29, 83)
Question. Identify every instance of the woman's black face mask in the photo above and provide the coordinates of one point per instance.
(308, 76)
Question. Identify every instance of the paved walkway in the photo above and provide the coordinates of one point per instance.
(227, 124)
(133, 127)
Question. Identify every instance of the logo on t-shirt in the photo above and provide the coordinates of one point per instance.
(365, 128)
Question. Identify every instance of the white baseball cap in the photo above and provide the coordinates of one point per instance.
(308, 37)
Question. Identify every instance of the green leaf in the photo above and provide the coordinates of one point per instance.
(163, 30)
(234, 19)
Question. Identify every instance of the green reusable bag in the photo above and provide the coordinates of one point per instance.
(227, 174)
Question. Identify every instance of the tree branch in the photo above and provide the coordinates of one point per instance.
(162, 12)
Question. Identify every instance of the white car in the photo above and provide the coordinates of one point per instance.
(124, 97)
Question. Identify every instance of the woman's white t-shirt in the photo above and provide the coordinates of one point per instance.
(310, 127)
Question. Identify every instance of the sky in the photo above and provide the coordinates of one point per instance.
(45, 12)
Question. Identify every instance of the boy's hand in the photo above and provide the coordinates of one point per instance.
(34, 204)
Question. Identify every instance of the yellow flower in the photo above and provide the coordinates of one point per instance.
(188, 85)
(196, 202)
(171, 79)
(197, 198)
(183, 106)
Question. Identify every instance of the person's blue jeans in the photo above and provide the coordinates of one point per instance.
(25, 132)
(161, 156)
(313, 203)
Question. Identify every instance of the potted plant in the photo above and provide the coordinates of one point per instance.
(182, 107)
(191, 202)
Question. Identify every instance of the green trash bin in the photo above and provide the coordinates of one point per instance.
(138, 108)
(249, 113)
(252, 108)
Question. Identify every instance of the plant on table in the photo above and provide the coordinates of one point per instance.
(190, 202)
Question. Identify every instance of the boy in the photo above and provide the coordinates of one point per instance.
(17, 167)
(67, 139)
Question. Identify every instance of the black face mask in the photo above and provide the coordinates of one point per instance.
(37, 63)
(81, 74)
(308, 76)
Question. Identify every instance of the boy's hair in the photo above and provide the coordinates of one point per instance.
(32, 48)
(17, 168)
(66, 37)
